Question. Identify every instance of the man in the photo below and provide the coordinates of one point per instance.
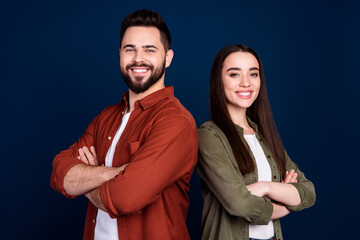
(135, 160)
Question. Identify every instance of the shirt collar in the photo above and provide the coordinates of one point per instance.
(251, 123)
(151, 99)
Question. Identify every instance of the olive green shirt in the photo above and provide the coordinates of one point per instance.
(229, 207)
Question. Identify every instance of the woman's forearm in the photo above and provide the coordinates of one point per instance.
(279, 211)
(285, 193)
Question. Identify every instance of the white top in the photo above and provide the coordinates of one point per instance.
(264, 174)
(106, 227)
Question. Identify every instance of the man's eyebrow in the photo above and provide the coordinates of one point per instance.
(238, 69)
(149, 46)
(129, 45)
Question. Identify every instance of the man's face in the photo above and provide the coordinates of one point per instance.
(142, 58)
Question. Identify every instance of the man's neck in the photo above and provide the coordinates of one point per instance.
(133, 97)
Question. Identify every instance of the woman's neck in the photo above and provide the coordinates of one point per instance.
(238, 116)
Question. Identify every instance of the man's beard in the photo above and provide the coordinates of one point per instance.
(139, 85)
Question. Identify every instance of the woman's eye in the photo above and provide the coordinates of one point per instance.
(254, 75)
(234, 75)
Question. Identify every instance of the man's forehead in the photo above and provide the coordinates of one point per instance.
(142, 34)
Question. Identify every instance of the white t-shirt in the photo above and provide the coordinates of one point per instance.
(264, 174)
(106, 227)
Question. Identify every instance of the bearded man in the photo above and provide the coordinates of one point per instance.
(135, 160)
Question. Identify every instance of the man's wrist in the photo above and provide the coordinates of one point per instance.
(110, 172)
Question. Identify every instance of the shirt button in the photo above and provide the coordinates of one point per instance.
(122, 112)
(269, 156)
(93, 220)
(102, 164)
(109, 137)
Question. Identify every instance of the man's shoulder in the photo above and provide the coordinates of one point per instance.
(172, 108)
(108, 112)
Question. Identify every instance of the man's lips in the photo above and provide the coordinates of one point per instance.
(139, 70)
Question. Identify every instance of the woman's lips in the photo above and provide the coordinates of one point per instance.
(244, 94)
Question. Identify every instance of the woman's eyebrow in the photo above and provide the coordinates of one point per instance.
(234, 68)
(238, 69)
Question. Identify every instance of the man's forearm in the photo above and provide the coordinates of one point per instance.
(94, 197)
(83, 178)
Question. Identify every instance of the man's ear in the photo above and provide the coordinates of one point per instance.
(168, 57)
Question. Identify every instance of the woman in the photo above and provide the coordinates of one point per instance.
(248, 180)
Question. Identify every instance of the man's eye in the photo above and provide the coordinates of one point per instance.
(129, 50)
(149, 50)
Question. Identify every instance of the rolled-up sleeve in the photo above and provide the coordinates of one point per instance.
(67, 159)
(218, 172)
(305, 188)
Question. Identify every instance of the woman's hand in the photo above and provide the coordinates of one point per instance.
(290, 177)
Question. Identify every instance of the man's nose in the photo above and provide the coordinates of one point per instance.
(138, 57)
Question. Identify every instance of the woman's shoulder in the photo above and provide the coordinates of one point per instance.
(208, 126)
(210, 130)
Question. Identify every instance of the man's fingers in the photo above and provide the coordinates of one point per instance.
(82, 156)
(89, 156)
(92, 149)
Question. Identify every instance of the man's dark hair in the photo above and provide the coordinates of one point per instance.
(147, 18)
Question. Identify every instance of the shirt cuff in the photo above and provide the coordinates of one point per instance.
(265, 216)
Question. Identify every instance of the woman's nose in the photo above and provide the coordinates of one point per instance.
(244, 81)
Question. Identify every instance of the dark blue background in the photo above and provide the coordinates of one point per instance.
(59, 69)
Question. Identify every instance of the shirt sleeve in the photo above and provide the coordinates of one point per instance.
(226, 182)
(168, 153)
(67, 159)
(305, 187)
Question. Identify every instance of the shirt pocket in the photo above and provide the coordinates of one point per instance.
(134, 146)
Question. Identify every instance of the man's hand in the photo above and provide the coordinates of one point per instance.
(88, 156)
(94, 198)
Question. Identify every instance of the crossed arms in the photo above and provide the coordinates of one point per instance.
(88, 177)
(167, 154)
(217, 168)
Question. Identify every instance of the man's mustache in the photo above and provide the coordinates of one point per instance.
(151, 67)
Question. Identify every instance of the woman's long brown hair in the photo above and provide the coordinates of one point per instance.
(259, 112)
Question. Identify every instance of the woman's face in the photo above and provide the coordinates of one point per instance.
(241, 80)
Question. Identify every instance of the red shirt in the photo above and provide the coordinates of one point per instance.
(160, 142)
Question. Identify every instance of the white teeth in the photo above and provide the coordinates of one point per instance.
(243, 93)
(139, 70)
